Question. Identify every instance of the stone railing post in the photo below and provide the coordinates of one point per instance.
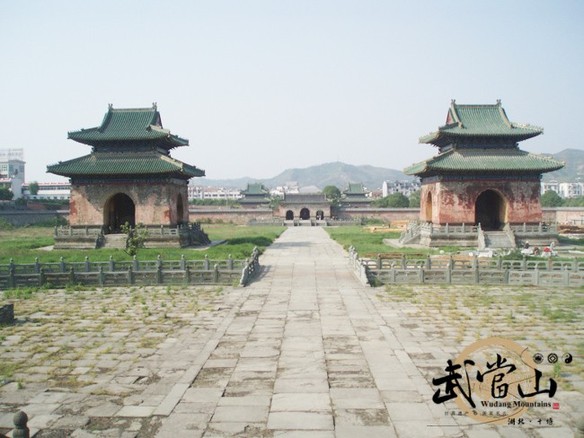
(216, 273)
(42, 279)
(130, 275)
(87, 264)
(37, 265)
(11, 278)
(230, 262)
(378, 261)
(20, 425)
(206, 263)
(62, 264)
(159, 277)
(187, 275)
(112, 265)
(182, 262)
(135, 264)
(101, 276)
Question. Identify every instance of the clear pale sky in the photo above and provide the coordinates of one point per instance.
(261, 86)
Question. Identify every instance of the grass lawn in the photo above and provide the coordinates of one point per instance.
(368, 243)
(24, 245)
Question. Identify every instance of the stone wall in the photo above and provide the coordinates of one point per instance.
(237, 216)
(155, 203)
(561, 215)
(455, 201)
(20, 218)
(385, 214)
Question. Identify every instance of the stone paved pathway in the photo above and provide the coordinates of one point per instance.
(305, 351)
(307, 354)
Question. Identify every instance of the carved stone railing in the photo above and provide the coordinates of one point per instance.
(251, 268)
(386, 269)
(130, 272)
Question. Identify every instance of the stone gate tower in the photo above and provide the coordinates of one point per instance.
(129, 176)
(480, 176)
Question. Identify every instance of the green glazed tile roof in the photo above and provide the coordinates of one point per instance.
(255, 189)
(355, 189)
(484, 160)
(120, 164)
(483, 121)
(128, 125)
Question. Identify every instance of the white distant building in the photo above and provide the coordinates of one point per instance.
(553, 186)
(48, 191)
(406, 188)
(564, 189)
(291, 188)
(12, 170)
(225, 193)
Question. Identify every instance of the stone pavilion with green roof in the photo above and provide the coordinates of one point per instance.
(355, 196)
(255, 195)
(129, 176)
(480, 176)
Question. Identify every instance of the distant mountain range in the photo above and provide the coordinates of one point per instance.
(341, 174)
(573, 169)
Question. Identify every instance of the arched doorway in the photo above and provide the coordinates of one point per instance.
(320, 215)
(428, 208)
(490, 210)
(289, 215)
(305, 214)
(180, 210)
(118, 210)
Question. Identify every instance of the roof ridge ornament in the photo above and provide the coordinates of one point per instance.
(110, 106)
(155, 106)
(455, 114)
(504, 115)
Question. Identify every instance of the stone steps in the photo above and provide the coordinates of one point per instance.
(115, 241)
(498, 239)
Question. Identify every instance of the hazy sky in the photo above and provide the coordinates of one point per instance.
(261, 86)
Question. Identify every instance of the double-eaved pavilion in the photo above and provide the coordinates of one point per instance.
(128, 178)
(355, 196)
(255, 195)
(481, 189)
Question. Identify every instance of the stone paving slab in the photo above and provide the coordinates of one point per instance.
(306, 351)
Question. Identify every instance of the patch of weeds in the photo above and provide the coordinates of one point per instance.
(7, 369)
(20, 294)
(399, 293)
(555, 315)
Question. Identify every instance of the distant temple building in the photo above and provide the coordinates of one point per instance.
(305, 208)
(355, 196)
(130, 178)
(481, 178)
(255, 195)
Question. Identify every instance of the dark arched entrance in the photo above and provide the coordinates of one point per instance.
(490, 210)
(180, 210)
(118, 210)
(289, 215)
(305, 214)
(320, 215)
